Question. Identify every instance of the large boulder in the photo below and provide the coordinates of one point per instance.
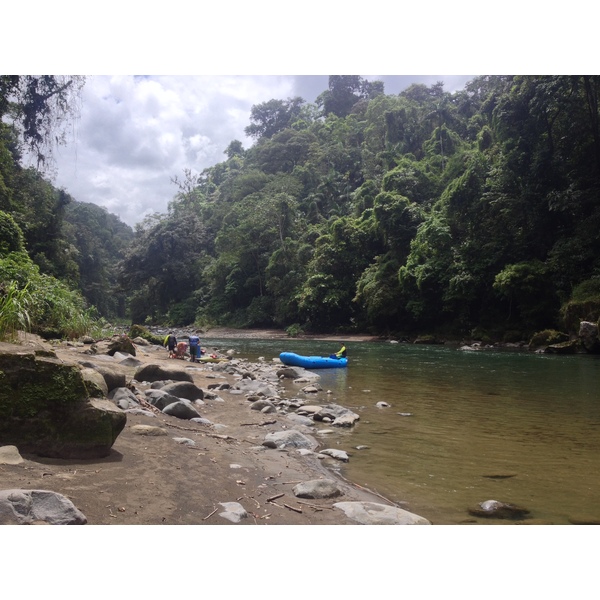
(155, 372)
(588, 334)
(184, 389)
(45, 408)
(114, 376)
(122, 344)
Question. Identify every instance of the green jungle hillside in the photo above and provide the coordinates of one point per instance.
(474, 213)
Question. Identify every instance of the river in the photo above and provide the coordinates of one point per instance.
(463, 427)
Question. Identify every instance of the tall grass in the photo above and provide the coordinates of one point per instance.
(38, 303)
(15, 310)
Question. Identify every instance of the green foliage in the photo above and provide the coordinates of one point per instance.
(273, 116)
(40, 303)
(41, 107)
(11, 236)
(294, 330)
(547, 337)
(583, 305)
(426, 210)
(15, 305)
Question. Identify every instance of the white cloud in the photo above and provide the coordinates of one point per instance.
(136, 133)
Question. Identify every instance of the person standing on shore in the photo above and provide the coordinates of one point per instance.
(171, 342)
(194, 341)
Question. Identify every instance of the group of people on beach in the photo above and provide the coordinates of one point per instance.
(179, 349)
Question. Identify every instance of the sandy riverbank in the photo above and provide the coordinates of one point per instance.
(155, 480)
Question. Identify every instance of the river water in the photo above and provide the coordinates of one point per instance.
(463, 426)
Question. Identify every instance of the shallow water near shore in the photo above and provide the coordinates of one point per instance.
(464, 426)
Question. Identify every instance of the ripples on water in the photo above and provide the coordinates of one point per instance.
(512, 426)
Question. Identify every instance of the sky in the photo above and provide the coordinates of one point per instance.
(204, 67)
(135, 134)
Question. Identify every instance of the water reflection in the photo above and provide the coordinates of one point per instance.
(510, 426)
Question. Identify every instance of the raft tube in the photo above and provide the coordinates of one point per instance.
(312, 362)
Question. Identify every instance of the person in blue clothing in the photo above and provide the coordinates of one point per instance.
(194, 342)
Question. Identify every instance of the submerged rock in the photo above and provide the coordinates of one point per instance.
(498, 510)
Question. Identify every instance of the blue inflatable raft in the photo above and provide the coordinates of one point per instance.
(312, 362)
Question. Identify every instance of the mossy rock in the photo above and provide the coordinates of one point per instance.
(141, 331)
(45, 409)
(547, 337)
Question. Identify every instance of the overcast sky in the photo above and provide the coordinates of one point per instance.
(135, 134)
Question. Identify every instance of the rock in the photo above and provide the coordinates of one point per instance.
(338, 415)
(9, 455)
(337, 454)
(184, 389)
(262, 404)
(372, 513)
(24, 507)
(309, 409)
(382, 404)
(121, 343)
(588, 334)
(45, 409)
(311, 389)
(124, 398)
(256, 386)
(317, 488)
(300, 420)
(185, 441)
(94, 382)
(155, 372)
(160, 398)
(130, 362)
(498, 510)
(289, 439)
(149, 430)
(233, 512)
(569, 347)
(182, 409)
(112, 377)
(140, 411)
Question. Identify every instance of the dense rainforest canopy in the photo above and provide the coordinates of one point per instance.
(463, 213)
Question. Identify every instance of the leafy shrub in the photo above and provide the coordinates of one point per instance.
(40, 303)
(294, 330)
(584, 304)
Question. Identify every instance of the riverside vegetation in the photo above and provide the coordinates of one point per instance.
(473, 214)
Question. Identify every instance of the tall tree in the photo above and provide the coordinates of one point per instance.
(40, 107)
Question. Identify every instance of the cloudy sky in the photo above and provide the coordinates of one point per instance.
(135, 134)
(206, 66)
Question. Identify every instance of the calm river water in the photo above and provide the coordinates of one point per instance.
(463, 426)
